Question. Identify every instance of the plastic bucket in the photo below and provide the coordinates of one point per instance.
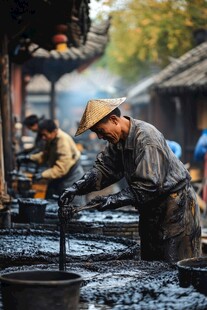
(32, 210)
(40, 290)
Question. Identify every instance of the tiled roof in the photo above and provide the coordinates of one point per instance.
(26, 22)
(189, 72)
(53, 64)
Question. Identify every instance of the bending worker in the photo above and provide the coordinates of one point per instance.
(62, 157)
(158, 183)
(31, 122)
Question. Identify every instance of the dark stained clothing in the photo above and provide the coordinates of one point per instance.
(146, 161)
(161, 186)
(170, 230)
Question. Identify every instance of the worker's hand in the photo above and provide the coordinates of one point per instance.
(66, 213)
(67, 195)
(123, 198)
(37, 176)
(85, 185)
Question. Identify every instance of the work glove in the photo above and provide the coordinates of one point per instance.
(67, 195)
(123, 198)
(37, 176)
(66, 213)
(83, 186)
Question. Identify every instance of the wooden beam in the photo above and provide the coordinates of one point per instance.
(5, 106)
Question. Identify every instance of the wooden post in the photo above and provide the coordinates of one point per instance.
(52, 102)
(5, 106)
(3, 189)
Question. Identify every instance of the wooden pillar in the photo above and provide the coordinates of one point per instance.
(3, 189)
(5, 106)
(52, 101)
(23, 103)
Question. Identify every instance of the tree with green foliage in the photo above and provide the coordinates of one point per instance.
(148, 33)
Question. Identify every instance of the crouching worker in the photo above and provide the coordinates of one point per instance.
(62, 158)
(158, 183)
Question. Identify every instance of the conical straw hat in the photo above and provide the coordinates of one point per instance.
(95, 110)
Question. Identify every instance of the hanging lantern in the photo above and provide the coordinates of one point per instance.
(60, 42)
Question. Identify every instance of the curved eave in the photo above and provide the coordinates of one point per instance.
(54, 64)
(192, 79)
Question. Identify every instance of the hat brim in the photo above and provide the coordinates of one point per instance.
(95, 111)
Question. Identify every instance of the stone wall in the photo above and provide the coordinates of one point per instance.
(115, 229)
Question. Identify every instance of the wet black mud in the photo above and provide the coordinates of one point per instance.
(113, 275)
(129, 284)
(38, 246)
(140, 285)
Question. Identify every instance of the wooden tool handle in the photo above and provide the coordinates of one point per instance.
(86, 207)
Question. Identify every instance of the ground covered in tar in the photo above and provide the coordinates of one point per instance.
(113, 276)
(129, 284)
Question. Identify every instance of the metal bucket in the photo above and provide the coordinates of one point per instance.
(5, 217)
(40, 290)
(193, 271)
(32, 210)
(24, 184)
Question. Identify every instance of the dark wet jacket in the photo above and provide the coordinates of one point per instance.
(145, 160)
(169, 224)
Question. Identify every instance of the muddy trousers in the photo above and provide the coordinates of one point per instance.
(173, 249)
(171, 231)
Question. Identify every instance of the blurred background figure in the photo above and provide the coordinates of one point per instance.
(200, 155)
(201, 146)
(31, 122)
(62, 158)
(175, 147)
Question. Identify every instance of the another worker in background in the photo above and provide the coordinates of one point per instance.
(201, 147)
(31, 122)
(62, 157)
(200, 155)
(175, 147)
(158, 183)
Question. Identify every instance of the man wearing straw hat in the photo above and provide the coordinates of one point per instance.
(158, 183)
